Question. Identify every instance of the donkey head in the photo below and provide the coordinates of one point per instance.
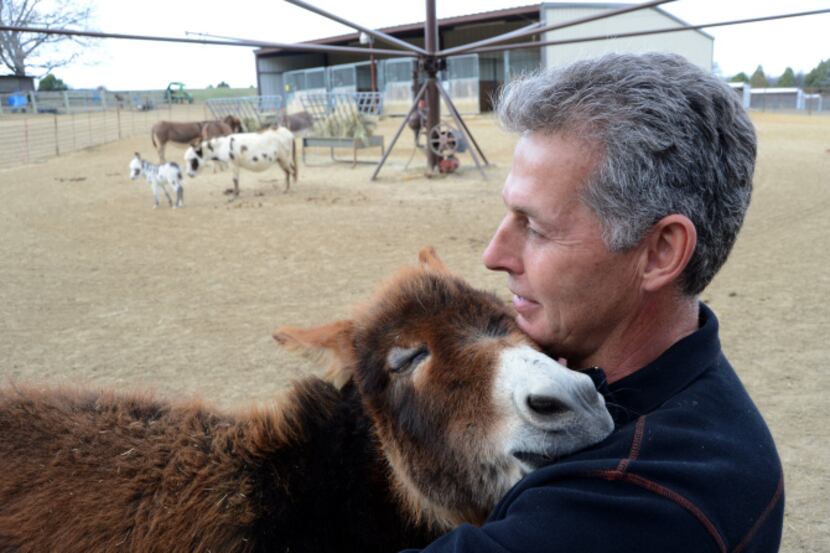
(135, 166)
(462, 401)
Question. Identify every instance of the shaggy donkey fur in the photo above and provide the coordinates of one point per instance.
(439, 404)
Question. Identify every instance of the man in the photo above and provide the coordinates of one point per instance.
(629, 184)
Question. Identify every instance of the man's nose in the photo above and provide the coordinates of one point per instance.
(500, 254)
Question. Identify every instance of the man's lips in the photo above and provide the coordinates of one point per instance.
(523, 304)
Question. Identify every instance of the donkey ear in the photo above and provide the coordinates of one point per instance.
(334, 341)
(430, 260)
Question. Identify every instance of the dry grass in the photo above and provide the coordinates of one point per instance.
(100, 289)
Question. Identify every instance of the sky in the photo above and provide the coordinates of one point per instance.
(122, 64)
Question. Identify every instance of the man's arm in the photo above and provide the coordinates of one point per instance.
(584, 516)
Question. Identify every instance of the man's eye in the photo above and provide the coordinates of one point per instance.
(403, 359)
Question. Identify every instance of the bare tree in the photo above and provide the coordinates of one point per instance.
(38, 50)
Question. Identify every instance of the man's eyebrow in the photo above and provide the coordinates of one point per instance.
(528, 212)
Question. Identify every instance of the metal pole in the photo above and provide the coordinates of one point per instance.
(33, 96)
(457, 116)
(301, 47)
(520, 32)
(374, 84)
(377, 34)
(26, 136)
(431, 67)
(400, 130)
(464, 130)
(57, 139)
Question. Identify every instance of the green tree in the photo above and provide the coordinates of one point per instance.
(51, 82)
(223, 84)
(759, 79)
(819, 77)
(799, 79)
(740, 78)
(787, 78)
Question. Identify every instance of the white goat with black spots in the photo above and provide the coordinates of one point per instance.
(159, 177)
(251, 151)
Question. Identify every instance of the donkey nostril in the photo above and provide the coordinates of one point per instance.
(546, 405)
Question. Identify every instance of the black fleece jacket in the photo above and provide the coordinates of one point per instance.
(691, 467)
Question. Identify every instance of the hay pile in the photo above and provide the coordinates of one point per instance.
(346, 122)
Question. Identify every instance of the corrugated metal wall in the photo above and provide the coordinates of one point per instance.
(693, 45)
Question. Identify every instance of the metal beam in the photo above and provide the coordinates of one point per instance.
(300, 47)
(389, 39)
(431, 66)
(464, 130)
(500, 38)
(400, 130)
(648, 32)
(554, 26)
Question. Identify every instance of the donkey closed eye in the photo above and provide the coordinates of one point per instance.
(403, 359)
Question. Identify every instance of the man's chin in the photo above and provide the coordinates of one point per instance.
(531, 328)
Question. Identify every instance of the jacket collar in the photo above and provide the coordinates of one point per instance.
(649, 387)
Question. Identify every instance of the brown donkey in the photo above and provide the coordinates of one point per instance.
(436, 405)
(191, 132)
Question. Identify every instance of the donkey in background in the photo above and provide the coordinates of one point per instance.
(159, 177)
(191, 133)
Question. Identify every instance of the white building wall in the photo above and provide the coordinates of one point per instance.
(693, 45)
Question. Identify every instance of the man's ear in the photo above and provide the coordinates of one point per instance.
(334, 341)
(669, 246)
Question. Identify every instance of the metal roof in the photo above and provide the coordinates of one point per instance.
(614, 6)
(519, 12)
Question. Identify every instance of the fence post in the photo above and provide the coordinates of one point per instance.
(66, 100)
(118, 118)
(57, 138)
(33, 97)
(26, 136)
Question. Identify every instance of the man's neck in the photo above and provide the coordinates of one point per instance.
(653, 329)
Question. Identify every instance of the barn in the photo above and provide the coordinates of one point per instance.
(776, 99)
(472, 77)
(16, 83)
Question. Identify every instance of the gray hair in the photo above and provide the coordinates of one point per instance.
(673, 138)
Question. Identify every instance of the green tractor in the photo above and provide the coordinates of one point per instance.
(176, 94)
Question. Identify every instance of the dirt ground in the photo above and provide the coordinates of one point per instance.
(97, 288)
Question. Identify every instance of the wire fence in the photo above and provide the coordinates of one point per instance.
(33, 137)
(253, 111)
(74, 101)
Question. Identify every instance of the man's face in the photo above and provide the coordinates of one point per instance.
(572, 295)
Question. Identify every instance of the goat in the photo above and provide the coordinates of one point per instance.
(159, 175)
(251, 151)
(435, 404)
(191, 132)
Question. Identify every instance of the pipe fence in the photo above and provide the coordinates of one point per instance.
(33, 137)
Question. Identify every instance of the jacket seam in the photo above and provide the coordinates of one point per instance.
(636, 443)
(779, 491)
(669, 494)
